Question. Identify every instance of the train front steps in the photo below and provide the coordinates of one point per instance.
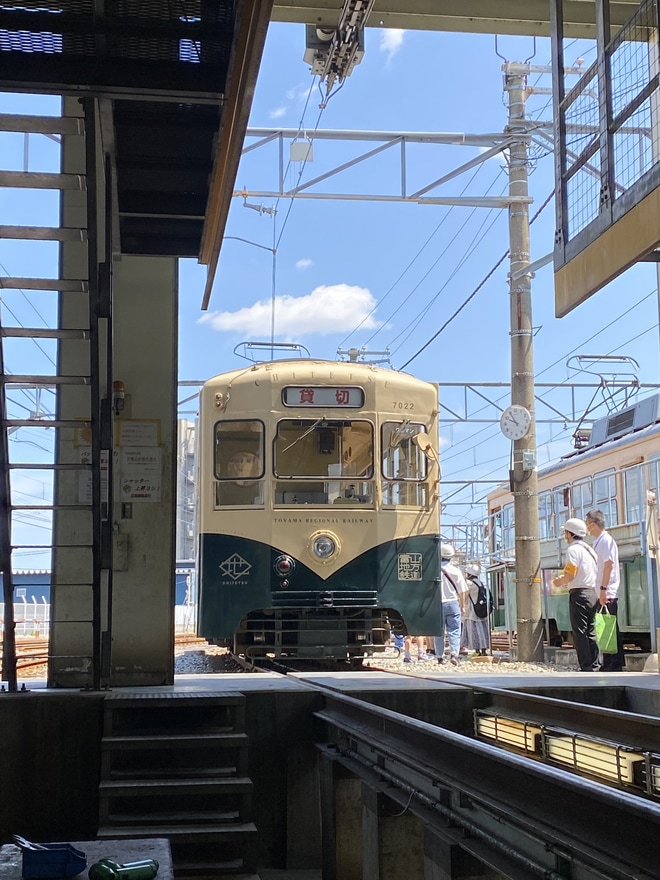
(175, 766)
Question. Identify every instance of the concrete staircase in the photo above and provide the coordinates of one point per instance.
(175, 766)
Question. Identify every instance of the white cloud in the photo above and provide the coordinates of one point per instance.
(391, 40)
(297, 95)
(299, 92)
(305, 263)
(333, 308)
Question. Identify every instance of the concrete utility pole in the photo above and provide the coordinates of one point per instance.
(524, 474)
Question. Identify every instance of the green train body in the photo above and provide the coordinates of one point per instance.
(318, 509)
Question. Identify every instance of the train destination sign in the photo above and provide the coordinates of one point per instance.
(323, 395)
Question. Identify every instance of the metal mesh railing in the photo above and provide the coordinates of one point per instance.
(627, 121)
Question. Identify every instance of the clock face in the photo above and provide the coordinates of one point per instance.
(515, 422)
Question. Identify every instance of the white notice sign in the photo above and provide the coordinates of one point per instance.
(140, 474)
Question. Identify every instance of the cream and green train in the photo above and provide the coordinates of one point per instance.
(318, 510)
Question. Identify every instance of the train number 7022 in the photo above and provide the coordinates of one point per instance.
(400, 404)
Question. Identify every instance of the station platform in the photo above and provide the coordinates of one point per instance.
(424, 678)
(270, 725)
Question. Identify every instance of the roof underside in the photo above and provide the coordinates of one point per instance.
(179, 78)
(172, 73)
(525, 17)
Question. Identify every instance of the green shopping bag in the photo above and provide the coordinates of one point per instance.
(606, 631)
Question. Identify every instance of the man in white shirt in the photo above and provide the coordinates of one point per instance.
(608, 579)
(453, 590)
(580, 578)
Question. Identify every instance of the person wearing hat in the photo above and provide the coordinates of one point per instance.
(475, 625)
(453, 591)
(579, 576)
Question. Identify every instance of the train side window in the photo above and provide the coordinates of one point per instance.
(546, 516)
(239, 463)
(562, 497)
(583, 497)
(508, 529)
(605, 495)
(633, 483)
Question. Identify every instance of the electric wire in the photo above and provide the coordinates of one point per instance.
(411, 263)
(478, 239)
(474, 292)
(554, 364)
(553, 439)
(420, 315)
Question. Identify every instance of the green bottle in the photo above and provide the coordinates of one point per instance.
(106, 869)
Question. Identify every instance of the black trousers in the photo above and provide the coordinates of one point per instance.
(614, 662)
(582, 610)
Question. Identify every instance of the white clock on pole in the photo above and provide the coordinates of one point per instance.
(515, 422)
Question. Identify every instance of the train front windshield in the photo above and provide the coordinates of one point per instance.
(319, 462)
(323, 462)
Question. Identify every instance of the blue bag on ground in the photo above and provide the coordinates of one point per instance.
(606, 631)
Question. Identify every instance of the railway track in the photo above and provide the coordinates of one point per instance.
(32, 653)
(519, 811)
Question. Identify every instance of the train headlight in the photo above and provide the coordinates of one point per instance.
(283, 566)
(323, 546)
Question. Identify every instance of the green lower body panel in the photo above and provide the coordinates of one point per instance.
(244, 601)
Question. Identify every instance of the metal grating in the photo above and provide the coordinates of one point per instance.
(164, 64)
(612, 140)
(188, 32)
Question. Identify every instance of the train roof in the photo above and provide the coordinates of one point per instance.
(594, 451)
(296, 366)
(633, 424)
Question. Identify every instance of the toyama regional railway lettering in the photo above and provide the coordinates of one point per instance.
(323, 520)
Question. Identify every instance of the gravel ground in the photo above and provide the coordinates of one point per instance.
(498, 664)
(211, 660)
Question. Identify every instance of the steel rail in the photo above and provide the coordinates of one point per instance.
(510, 800)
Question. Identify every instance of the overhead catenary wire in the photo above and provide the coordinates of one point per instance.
(412, 325)
(549, 367)
(473, 244)
(409, 266)
(474, 292)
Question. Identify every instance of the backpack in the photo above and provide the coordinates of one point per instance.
(484, 604)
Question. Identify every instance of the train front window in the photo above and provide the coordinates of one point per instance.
(404, 465)
(323, 461)
(239, 463)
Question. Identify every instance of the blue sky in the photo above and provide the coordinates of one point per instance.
(373, 274)
(368, 254)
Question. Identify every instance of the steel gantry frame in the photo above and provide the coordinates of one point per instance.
(615, 393)
(493, 145)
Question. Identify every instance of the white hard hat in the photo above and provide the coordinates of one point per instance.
(446, 551)
(473, 569)
(576, 527)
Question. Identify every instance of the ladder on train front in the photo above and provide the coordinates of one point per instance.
(56, 406)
